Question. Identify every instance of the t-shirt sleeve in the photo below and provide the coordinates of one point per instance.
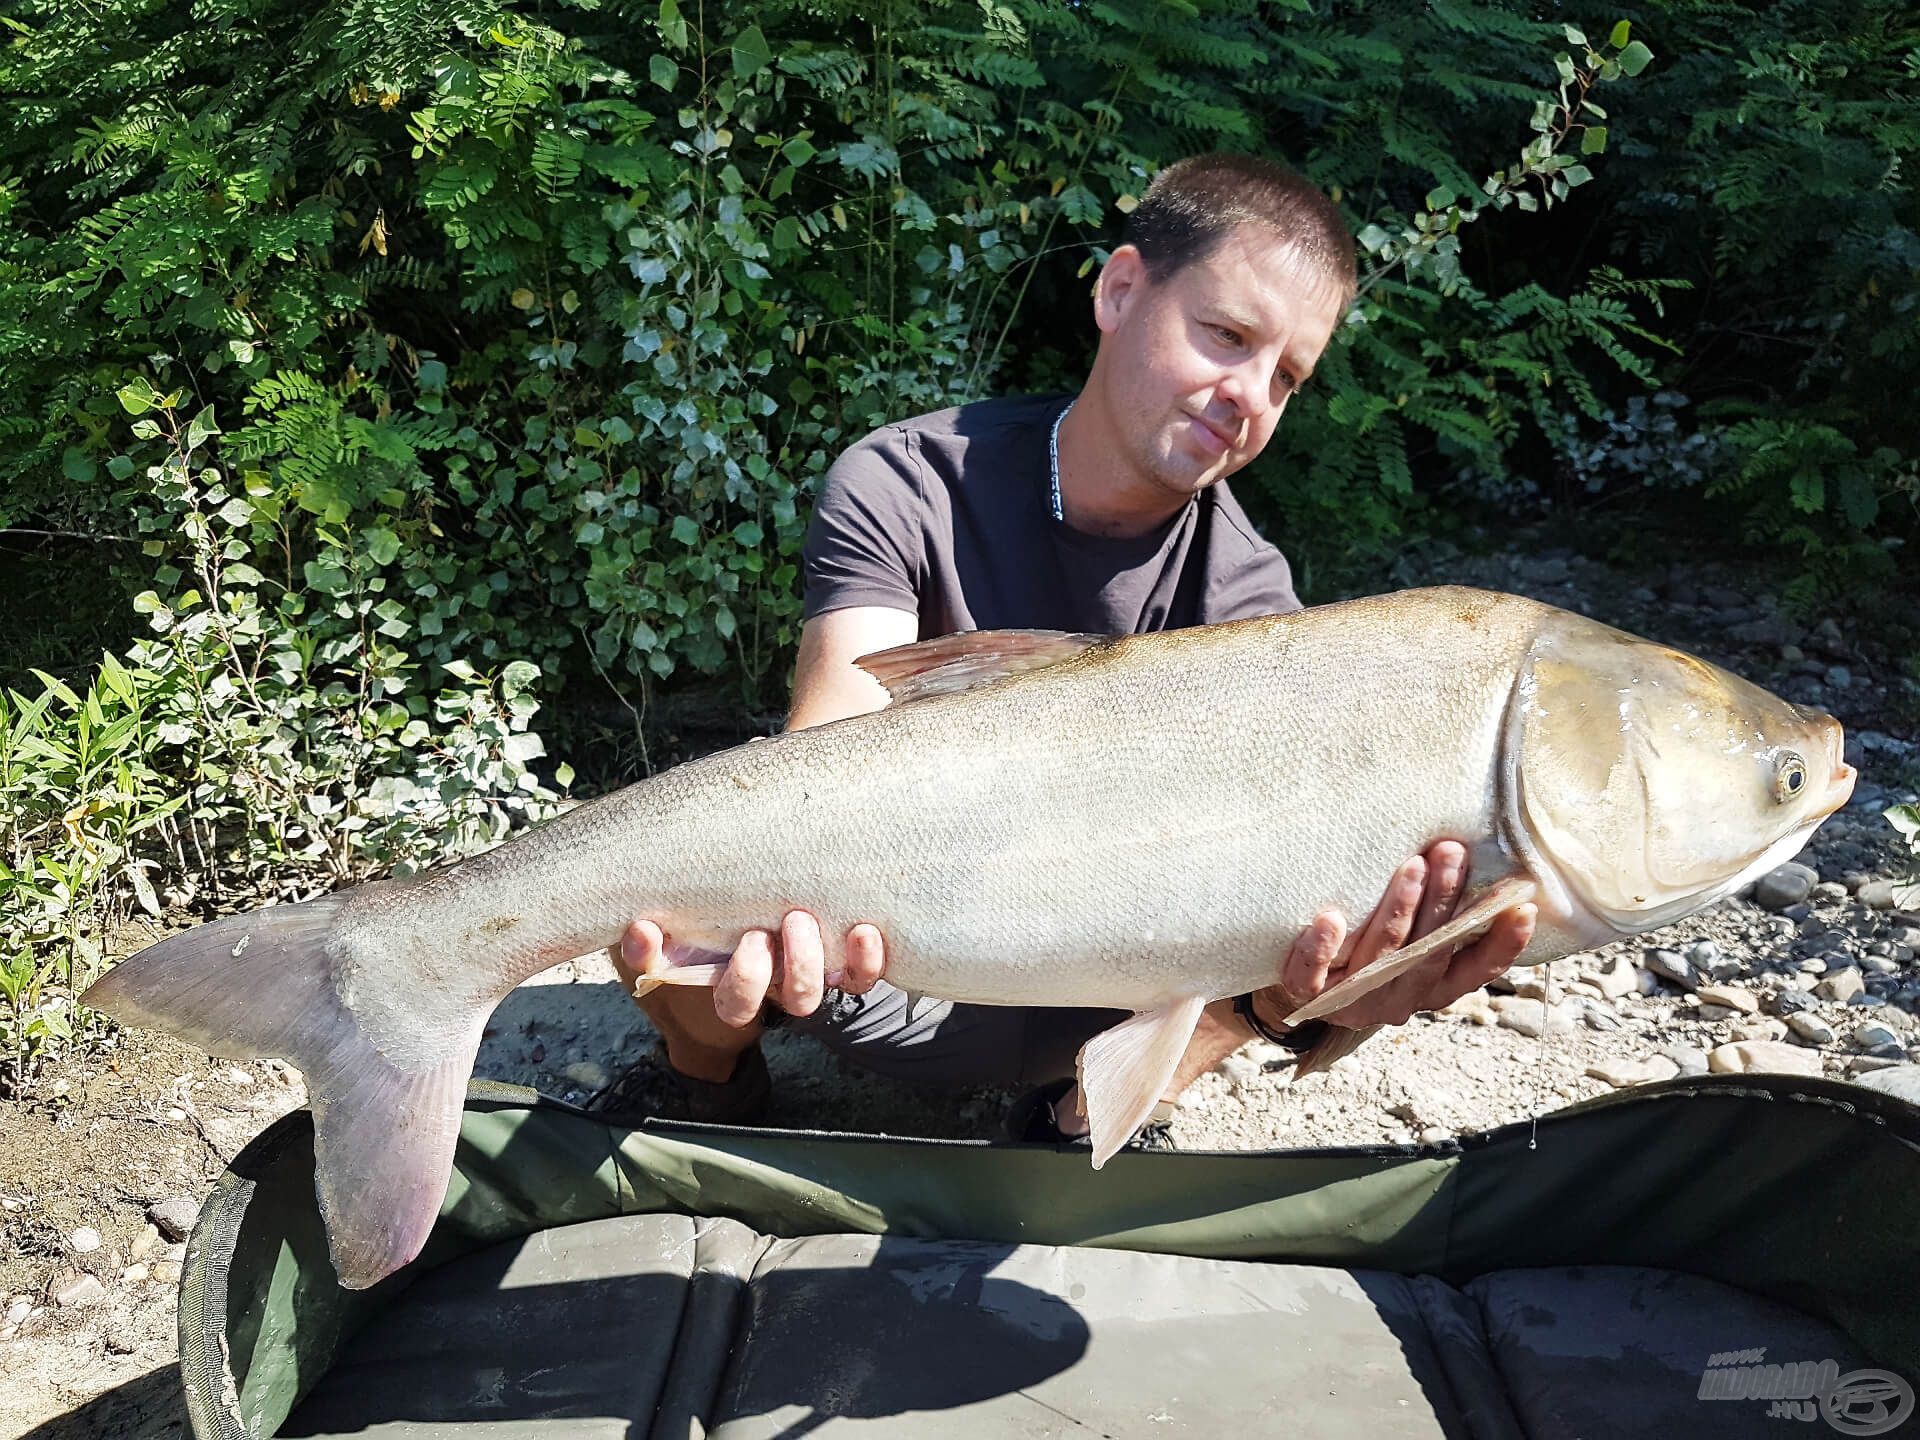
(1262, 584)
(866, 542)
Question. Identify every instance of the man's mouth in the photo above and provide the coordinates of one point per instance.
(1210, 438)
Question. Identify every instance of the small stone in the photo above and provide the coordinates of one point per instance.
(1813, 965)
(1878, 965)
(1811, 1028)
(239, 1077)
(1599, 1016)
(1760, 1027)
(1506, 980)
(1239, 1071)
(174, 1216)
(1900, 1080)
(1474, 1005)
(17, 1311)
(1435, 1135)
(1618, 978)
(1704, 954)
(1528, 1017)
(1714, 1014)
(1802, 911)
(1830, 892)
(1839, 676)
(588, 1075)
(134, 1274)
(167, 1272)
(176, 1114)
(1690, 1060)
(1763, 1056)
(1862, 1064)
(1868, 1001)
(1622, 1073)
(1841, 985)
(84, 1240)
(1788, 1001)
(143, 1242)
(1785, 885)
(1745, 1002)
(1672, 967)
(1874, 1037)
(1876, 895)
(83, 1290)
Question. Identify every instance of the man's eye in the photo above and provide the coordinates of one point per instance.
(1231, 337)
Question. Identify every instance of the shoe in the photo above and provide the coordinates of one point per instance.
(652, 1087)
(1030, 1120)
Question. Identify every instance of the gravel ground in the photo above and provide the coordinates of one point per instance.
(1816, 972)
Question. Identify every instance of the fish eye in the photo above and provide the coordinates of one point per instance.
(1789, 777)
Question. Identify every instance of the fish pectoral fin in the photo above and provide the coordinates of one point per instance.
(1125, 1070)
(959, 662)
(1338, 1043)
(701, 974)
(1467, 924)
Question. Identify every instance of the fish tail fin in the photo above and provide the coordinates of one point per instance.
(266, 983)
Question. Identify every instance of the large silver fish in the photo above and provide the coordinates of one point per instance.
(1142, 822)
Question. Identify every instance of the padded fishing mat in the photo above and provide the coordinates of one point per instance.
(1574, 1278)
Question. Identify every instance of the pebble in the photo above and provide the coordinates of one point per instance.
(1831, 891)
(1876, 895)
(1768, 1056)
(1672, 967)
(1689, 1059)
(134, 1274)
(1730, 996)
(1239, 1071)
(1785, 885)
(1622, 1073)
(84, 1240)
(1435, 1135)
(173, 1217)
(1865, 1064)
(83, 1290)
(1878, 965)
(167, 1272)
(1703, 954)
(143, 1242)
(1875, 1038)
(1900, 1080)
(1529, 1017)
(18, 1311)
(1811, 1028)
(1616, 979)
(1813, 965)
(1760, 1027)
(1841, 985)
(588, 1075)
(239, 1076)
(1788, 1001)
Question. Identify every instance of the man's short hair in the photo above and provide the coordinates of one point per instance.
(1193, 204)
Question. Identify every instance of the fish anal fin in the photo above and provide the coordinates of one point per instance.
(1467, 924)
(1125, 1069)
(1338, 1043)
(686, 965)
(959, 662)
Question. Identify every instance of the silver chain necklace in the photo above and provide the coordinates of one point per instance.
(1053, 465)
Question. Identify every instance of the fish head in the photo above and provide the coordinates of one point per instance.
(1651, 784)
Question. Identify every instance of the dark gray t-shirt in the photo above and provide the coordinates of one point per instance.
(948, 515)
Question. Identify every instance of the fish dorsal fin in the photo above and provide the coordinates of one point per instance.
(960, 662)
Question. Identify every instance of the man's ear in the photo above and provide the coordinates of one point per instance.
(1123, 280)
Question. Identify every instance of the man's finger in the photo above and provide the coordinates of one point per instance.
(1446, 879)
(743, 986)
(866, 960)
(803, 963)
(1392, 919)
(643, 949)
(1494, 952)
(1304, 974)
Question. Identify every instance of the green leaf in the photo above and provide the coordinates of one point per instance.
(685, 530)
(1593, 140)
(382, 545)
(750, 53)
(77, 465)
(1906, 820)
(563, 775)
(1575, 35)
(798, 150)
(1564, 64)
(662, 71)
(1576, 175)
(748, 535)
(136, 398)
(1635, 58)
(1440, 197)
(671, 25)
(200, 427)
(1621, 33)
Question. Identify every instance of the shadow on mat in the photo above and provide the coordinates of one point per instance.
(148, 1408)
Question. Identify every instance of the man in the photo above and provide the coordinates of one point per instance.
(1109, 514)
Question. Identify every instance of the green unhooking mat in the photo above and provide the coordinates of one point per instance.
(1703, 1257)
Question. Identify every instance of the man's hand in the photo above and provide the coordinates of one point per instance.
(789, 969)
(1420, 899)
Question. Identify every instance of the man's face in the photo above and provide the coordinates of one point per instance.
(1198, 366)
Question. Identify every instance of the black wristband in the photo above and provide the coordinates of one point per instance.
(1298, 1038)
